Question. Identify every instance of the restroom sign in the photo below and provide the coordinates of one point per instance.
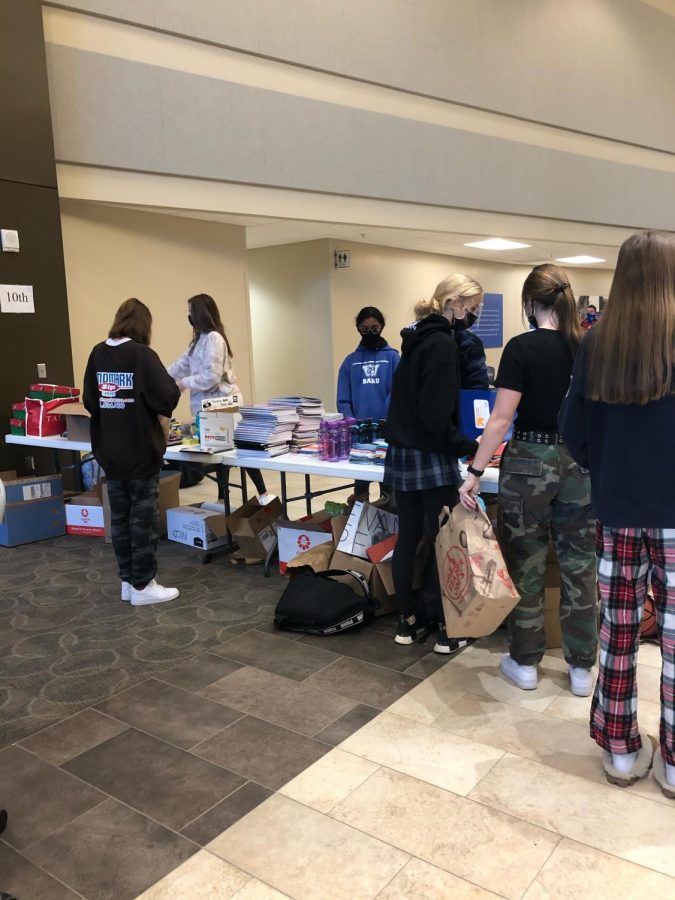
(16, 298)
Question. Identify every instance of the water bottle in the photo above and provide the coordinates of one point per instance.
(349, 431)
(368, 431)
(344, 439)
(374, 432)
(323, 440)
(332, 442)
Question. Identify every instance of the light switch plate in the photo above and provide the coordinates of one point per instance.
(10, 240)
(42, 370)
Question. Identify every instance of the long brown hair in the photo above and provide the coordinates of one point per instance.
(132, 320)
(632, 351)
(205, 319)
(549, 287)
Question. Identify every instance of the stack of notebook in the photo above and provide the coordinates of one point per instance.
(310, 412)
(266, 429)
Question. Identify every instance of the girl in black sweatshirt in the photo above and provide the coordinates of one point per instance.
(424, 445)
(619, 422)
(126, 389)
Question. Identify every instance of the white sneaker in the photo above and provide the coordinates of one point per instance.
(125, 593)
(524, 677)
(152, 593)
(581, 681)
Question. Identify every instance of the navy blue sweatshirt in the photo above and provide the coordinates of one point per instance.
(629, 450)
(364, 382)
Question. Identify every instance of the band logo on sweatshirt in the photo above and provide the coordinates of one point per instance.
(110, 384)
(370, 370)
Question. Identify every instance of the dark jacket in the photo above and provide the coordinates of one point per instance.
(126, 388)
(628, 449)
(472, 362)
(423, 409)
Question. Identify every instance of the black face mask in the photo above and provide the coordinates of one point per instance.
(468, 321)
(191, 321)
(371, 341)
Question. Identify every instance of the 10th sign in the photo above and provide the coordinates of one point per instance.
(16, 298)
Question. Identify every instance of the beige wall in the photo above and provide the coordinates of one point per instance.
(291, 321)
(394, 279)
(112, 254)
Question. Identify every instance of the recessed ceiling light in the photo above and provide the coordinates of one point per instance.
(580, 260)
(497, 244)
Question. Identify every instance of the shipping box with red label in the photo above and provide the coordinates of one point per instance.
(84, 515)
(298, 537)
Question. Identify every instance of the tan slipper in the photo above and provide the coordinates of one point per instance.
(641, 768)
(660, 775)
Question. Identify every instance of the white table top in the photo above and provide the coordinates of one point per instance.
(287, 462)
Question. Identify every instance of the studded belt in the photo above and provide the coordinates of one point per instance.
(537, 437)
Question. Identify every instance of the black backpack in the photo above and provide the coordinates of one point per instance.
(313, 603)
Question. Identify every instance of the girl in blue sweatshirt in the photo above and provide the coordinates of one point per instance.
(365, 378)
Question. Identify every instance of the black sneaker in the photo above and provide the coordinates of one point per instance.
(410, 634)
(447, 646)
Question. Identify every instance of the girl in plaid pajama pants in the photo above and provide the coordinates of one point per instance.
(619, 421)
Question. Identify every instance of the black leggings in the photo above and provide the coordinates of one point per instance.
(418, 513)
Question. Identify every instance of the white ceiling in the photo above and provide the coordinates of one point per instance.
(267, 232)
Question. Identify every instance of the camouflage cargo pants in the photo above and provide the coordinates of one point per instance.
(134, 508)
(542, 494)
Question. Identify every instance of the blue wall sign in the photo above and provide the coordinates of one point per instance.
(490, 326)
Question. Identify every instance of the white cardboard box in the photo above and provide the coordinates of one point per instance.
(216, 430)
(84, 515)
(196, 527)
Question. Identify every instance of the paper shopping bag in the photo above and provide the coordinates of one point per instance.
(477, 590)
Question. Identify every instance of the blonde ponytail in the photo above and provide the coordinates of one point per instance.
(451, 289)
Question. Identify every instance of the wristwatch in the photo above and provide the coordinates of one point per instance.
(478, 473)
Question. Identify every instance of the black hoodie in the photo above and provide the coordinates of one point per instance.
(423, 410)
(126, 388)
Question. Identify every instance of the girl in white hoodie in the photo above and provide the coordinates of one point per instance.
(205, 369)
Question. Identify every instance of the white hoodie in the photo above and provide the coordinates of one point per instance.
(207, 371)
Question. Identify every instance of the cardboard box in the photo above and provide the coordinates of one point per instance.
(298, 537)
(383, 551)
(230, 403)
(34, 509)
(169, 498)
(216, 430)
(379, 578)
(77, 422)
(367, 525)
(253, 527)
(197, 527)
(84, 515)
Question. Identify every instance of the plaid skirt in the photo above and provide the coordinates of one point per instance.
(406, 469)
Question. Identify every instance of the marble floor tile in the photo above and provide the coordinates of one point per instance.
(362, 682)
(258, 890)
(159, 780)
(602, 816)
(356, 718)
(261, 752)
(419, 880)
(40, 797)
(203, 876)
(214, 821)
(306, 842)
(371, 646)
(170, 713)
(495, 851)
(200, 672)
(281, 701)
(329, 780)
(426, 702)
(21, 878)
(650, 655)
(477, 671)
(111, 853)
(575, 870)
(440, 758)
(73, 736)
(272, 653)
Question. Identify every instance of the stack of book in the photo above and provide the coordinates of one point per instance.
(373, 454)
(265, 430)
(310, 412)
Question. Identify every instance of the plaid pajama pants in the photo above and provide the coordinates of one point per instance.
(626, 558)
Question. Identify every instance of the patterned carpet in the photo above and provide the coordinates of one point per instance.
(67, 641)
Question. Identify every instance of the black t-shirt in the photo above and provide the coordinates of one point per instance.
(538, 364)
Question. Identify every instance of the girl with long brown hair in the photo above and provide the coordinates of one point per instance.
(543, 494)
(619, 422)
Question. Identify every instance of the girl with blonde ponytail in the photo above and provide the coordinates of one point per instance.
(424, 445)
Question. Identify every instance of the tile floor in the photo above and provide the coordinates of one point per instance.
(267, 766)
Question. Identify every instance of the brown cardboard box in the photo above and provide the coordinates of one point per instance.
(169, 498)
(77, 422)
(252, 527)
(379, 578)
(338, 524)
